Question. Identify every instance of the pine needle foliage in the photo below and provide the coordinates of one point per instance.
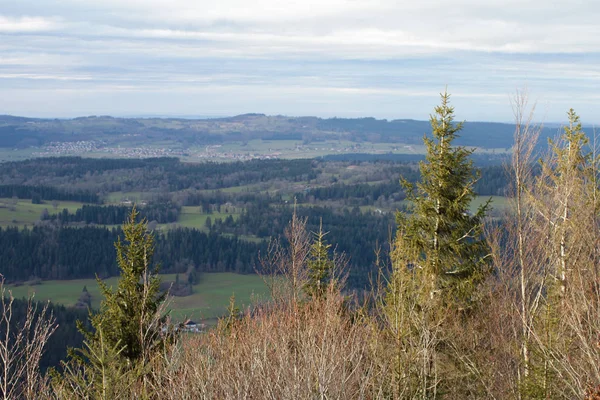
(439, 228)
(127, 315)
(319, 264)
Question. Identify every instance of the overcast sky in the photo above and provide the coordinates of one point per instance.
(382, 58)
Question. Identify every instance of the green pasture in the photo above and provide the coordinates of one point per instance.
(210, 297)
(20, 212)
(194, 217)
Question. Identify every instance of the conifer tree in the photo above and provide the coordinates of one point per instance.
(439, 230)
(128, 315)
(438, 258)
(564, 181)
(127, 332)
(319, 265)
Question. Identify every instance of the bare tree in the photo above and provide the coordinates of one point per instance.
(21, 347)
(284, 269)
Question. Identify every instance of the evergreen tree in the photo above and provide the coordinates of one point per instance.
(438, 258)
(319, 265)
(562, 185)
(440, 232)
(127, 332)
(128, 315)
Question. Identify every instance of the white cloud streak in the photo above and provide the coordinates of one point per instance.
(383, 50)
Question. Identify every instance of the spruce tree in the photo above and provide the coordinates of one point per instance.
(319, 265)
(562, 185)
(439, 232)
(128, 315)
(127, 333)
(438, 258)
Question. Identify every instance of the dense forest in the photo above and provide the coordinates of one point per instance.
(69, 244)
(152, 174)
(47, 252)
(162, 213)
(38, 193)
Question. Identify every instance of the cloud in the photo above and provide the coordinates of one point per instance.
(341, 51)
(26, 24)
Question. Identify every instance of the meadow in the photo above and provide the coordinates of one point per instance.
(193, 217)
(21, 212)
(208, 301)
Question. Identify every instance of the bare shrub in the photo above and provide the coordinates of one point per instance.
(21, 347)
(316, 351)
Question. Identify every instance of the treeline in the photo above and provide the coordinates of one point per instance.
(65, 336)
(493, 182)
(49, 252)
(480, 159)
(162, 213)
(151, 174)
(206, 199)
(41, 192)
(355, 233)
(54, 252)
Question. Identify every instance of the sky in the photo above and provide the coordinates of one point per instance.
(345, 58)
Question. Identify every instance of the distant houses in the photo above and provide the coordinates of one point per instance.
(193, 327)
(188, 326)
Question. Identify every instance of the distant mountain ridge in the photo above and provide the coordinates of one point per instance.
(22, 132)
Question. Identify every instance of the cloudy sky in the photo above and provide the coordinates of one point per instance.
(382, 58)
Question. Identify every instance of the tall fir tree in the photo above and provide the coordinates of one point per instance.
(319, 265)
(128, 315)
(438, 259)
(441, 235)
(127, 333)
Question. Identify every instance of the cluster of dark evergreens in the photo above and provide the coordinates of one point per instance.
(162, 213)
(40, 192)
(151, 174)
(355, 233)
(49, 252)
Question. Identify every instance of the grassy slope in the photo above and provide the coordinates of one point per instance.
(26, 213)
(193, 217)
(209, 300)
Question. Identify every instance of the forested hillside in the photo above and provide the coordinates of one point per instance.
(219, 216)
(23, 132)
(463, 303)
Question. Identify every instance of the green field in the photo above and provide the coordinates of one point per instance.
(208, 301)
(193, 217)
(20, 212)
